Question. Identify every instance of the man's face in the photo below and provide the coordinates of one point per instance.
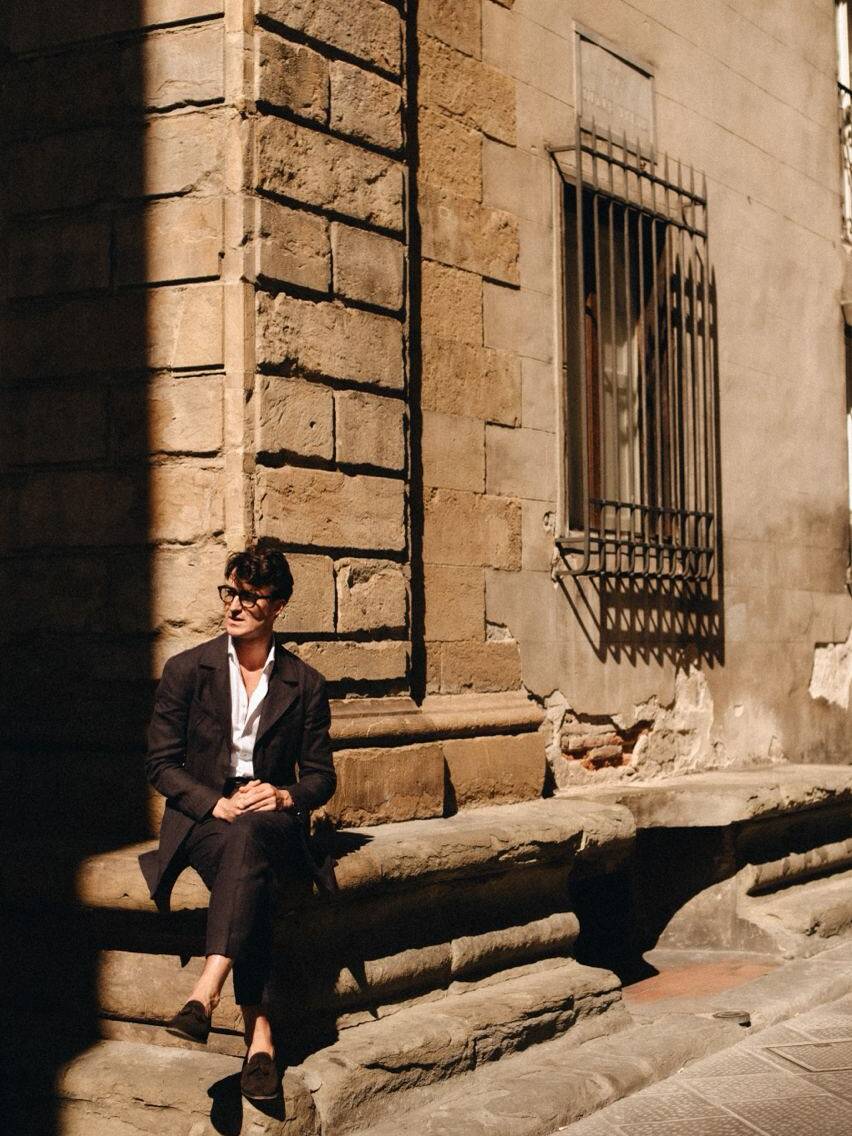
(246, 620)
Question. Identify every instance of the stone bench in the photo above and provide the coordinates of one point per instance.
(753, 859)
(423, 905)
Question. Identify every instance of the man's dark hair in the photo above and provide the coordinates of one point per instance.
(263, 564)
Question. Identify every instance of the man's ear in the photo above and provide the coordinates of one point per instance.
(279, 607)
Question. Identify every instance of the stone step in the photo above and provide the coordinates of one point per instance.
(800, 917)
(331, 989)
(169, 1088)
(539, 1090)
(394, 857)
(368, 1067)
(423, 906)
(122, 1088)
(119, 1088)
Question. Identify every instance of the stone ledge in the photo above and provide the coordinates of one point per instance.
(481, 842)
(723, 797)
(360, 1075)
(399, 720)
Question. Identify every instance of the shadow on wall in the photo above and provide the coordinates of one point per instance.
(75, 562)
(634, 618)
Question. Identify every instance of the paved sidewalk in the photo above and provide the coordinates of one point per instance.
(793, 1079)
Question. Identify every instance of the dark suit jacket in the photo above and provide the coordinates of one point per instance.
(189, 748)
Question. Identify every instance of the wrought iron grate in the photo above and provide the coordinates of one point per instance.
(638, 391)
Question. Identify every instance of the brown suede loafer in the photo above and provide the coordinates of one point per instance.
(259, 1079)
(192, 1023)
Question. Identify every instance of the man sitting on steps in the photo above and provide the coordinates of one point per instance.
(239, 747)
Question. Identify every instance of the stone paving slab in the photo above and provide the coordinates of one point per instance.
(763, 1086)
(715, 1069)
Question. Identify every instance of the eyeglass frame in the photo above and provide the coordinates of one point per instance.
(247, 600)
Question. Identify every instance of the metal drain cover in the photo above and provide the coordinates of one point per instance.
(818, 1056)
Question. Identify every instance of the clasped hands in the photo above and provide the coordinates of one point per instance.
(253, 797)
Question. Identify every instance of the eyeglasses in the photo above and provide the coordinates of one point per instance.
(247, 599)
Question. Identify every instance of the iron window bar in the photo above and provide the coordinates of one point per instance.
(638, 385)
(844, 106)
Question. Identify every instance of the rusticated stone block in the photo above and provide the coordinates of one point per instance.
(369, 430)
(371, 595)
(326, 339)
(451, 304)
(157, 71)
(64, 423)
(480, 95)
(343, 660)
(455, 602)
(76, 507)
(319, 169)
(87, 173)
(56, 21)
(183, 589)
(496, 770)
(185, 503)
(453, 451)
(367, 266)
(166, 327)
(311, 607)
(462, 233)
(462, 379)
(450, 154)
(184, 326)
(472, 529)
(292, 246)
(59, 256)
(375, 786)
(365, 105)
(330, 509)
(180, 239)
(368, 29)
(184, 414)
(171, 69)
(292, 76)
(457, 23)
(167, 154)
(480, 666)
(173, 154)
(294, 417)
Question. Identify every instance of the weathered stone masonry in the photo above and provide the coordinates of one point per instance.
(208, 335)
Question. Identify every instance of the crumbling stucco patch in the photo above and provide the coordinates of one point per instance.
(658, 740)
(832, 672)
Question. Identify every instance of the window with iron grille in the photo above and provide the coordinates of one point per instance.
(638, 495)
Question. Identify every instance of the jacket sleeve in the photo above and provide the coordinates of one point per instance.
(317, 779)
(165, 764)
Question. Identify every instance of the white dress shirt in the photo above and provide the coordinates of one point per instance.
(245, 712)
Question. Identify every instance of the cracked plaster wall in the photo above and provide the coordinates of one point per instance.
(777, 685)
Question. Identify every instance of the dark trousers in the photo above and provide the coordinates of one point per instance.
(238, 861)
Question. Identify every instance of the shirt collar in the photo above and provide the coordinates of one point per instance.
(270, 658)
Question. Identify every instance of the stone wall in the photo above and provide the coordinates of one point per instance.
(751, 100)
(114, 351)
(329, 409)
(470, 386)
(287, 267)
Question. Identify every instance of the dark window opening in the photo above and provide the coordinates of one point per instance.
(639, 473)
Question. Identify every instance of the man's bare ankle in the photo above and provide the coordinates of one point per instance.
(208, 1001)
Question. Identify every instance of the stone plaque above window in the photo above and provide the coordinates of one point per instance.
(613, 90)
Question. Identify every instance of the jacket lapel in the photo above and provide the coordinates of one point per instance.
(215, 694)
(282, 693)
